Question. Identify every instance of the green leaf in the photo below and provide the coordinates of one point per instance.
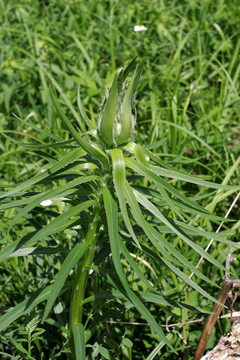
(156, 350)
(142, 170)
(108, 116)
(24, 307)
(96, 152)
(71, 260)
(37, 251)
(111, 212)
(49, 195)
(21, 349)
(145, 297)
(63, 95)
(191, 179)
(79, 341)
(82, 111)
(133, 264)
(170, 223)
(140, 152)
(147, 229)
(58, 224)
(104, 352)
(66, 160)
(124, 72)
(119, 182)
(127, 342)
(127, 116)
(209, 235)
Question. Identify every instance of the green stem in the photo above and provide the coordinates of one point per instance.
(80, 280)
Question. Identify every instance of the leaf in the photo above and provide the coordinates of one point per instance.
(133, 264)
(111, 213)
(58, 224)
(127, 342)
(108, 116)
(79, 341)
(155, 351)
(21, 349)
(49, 195)
(147, 229)
(63, 95)
(119, 181)
(104, 352)
(169, 223)
(66, 160)
(71, 260)
(209, 235)
(82, 111)
(41, 131)
(24, 307)
(37, 251)
(191, 179)
(141, 169)
(96, 152)
(127, 116)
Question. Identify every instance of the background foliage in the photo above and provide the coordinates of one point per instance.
(188, 113)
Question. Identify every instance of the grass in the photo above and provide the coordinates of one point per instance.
(187, 115)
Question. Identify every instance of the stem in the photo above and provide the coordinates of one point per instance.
(80, 280)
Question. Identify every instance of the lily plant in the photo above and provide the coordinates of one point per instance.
(118, 198)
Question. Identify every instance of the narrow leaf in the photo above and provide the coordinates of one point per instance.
(49, 195)
(83, 143)
(108, 115)
(58, 224)
(127, 116)
(154, 210)
(111, 212)
(141, 169)
(66, 160)
(79, 341)
(82, 111)
(119, 182)
(24, 307)
(71, 260)
(147, 229)
(191, 179)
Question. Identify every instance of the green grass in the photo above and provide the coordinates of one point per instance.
(187, 115)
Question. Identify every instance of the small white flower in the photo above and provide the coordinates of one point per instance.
(46, 202)
(140, 28)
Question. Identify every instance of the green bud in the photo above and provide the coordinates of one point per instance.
(117, 120)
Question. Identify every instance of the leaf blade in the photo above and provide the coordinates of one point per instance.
(70, 261)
